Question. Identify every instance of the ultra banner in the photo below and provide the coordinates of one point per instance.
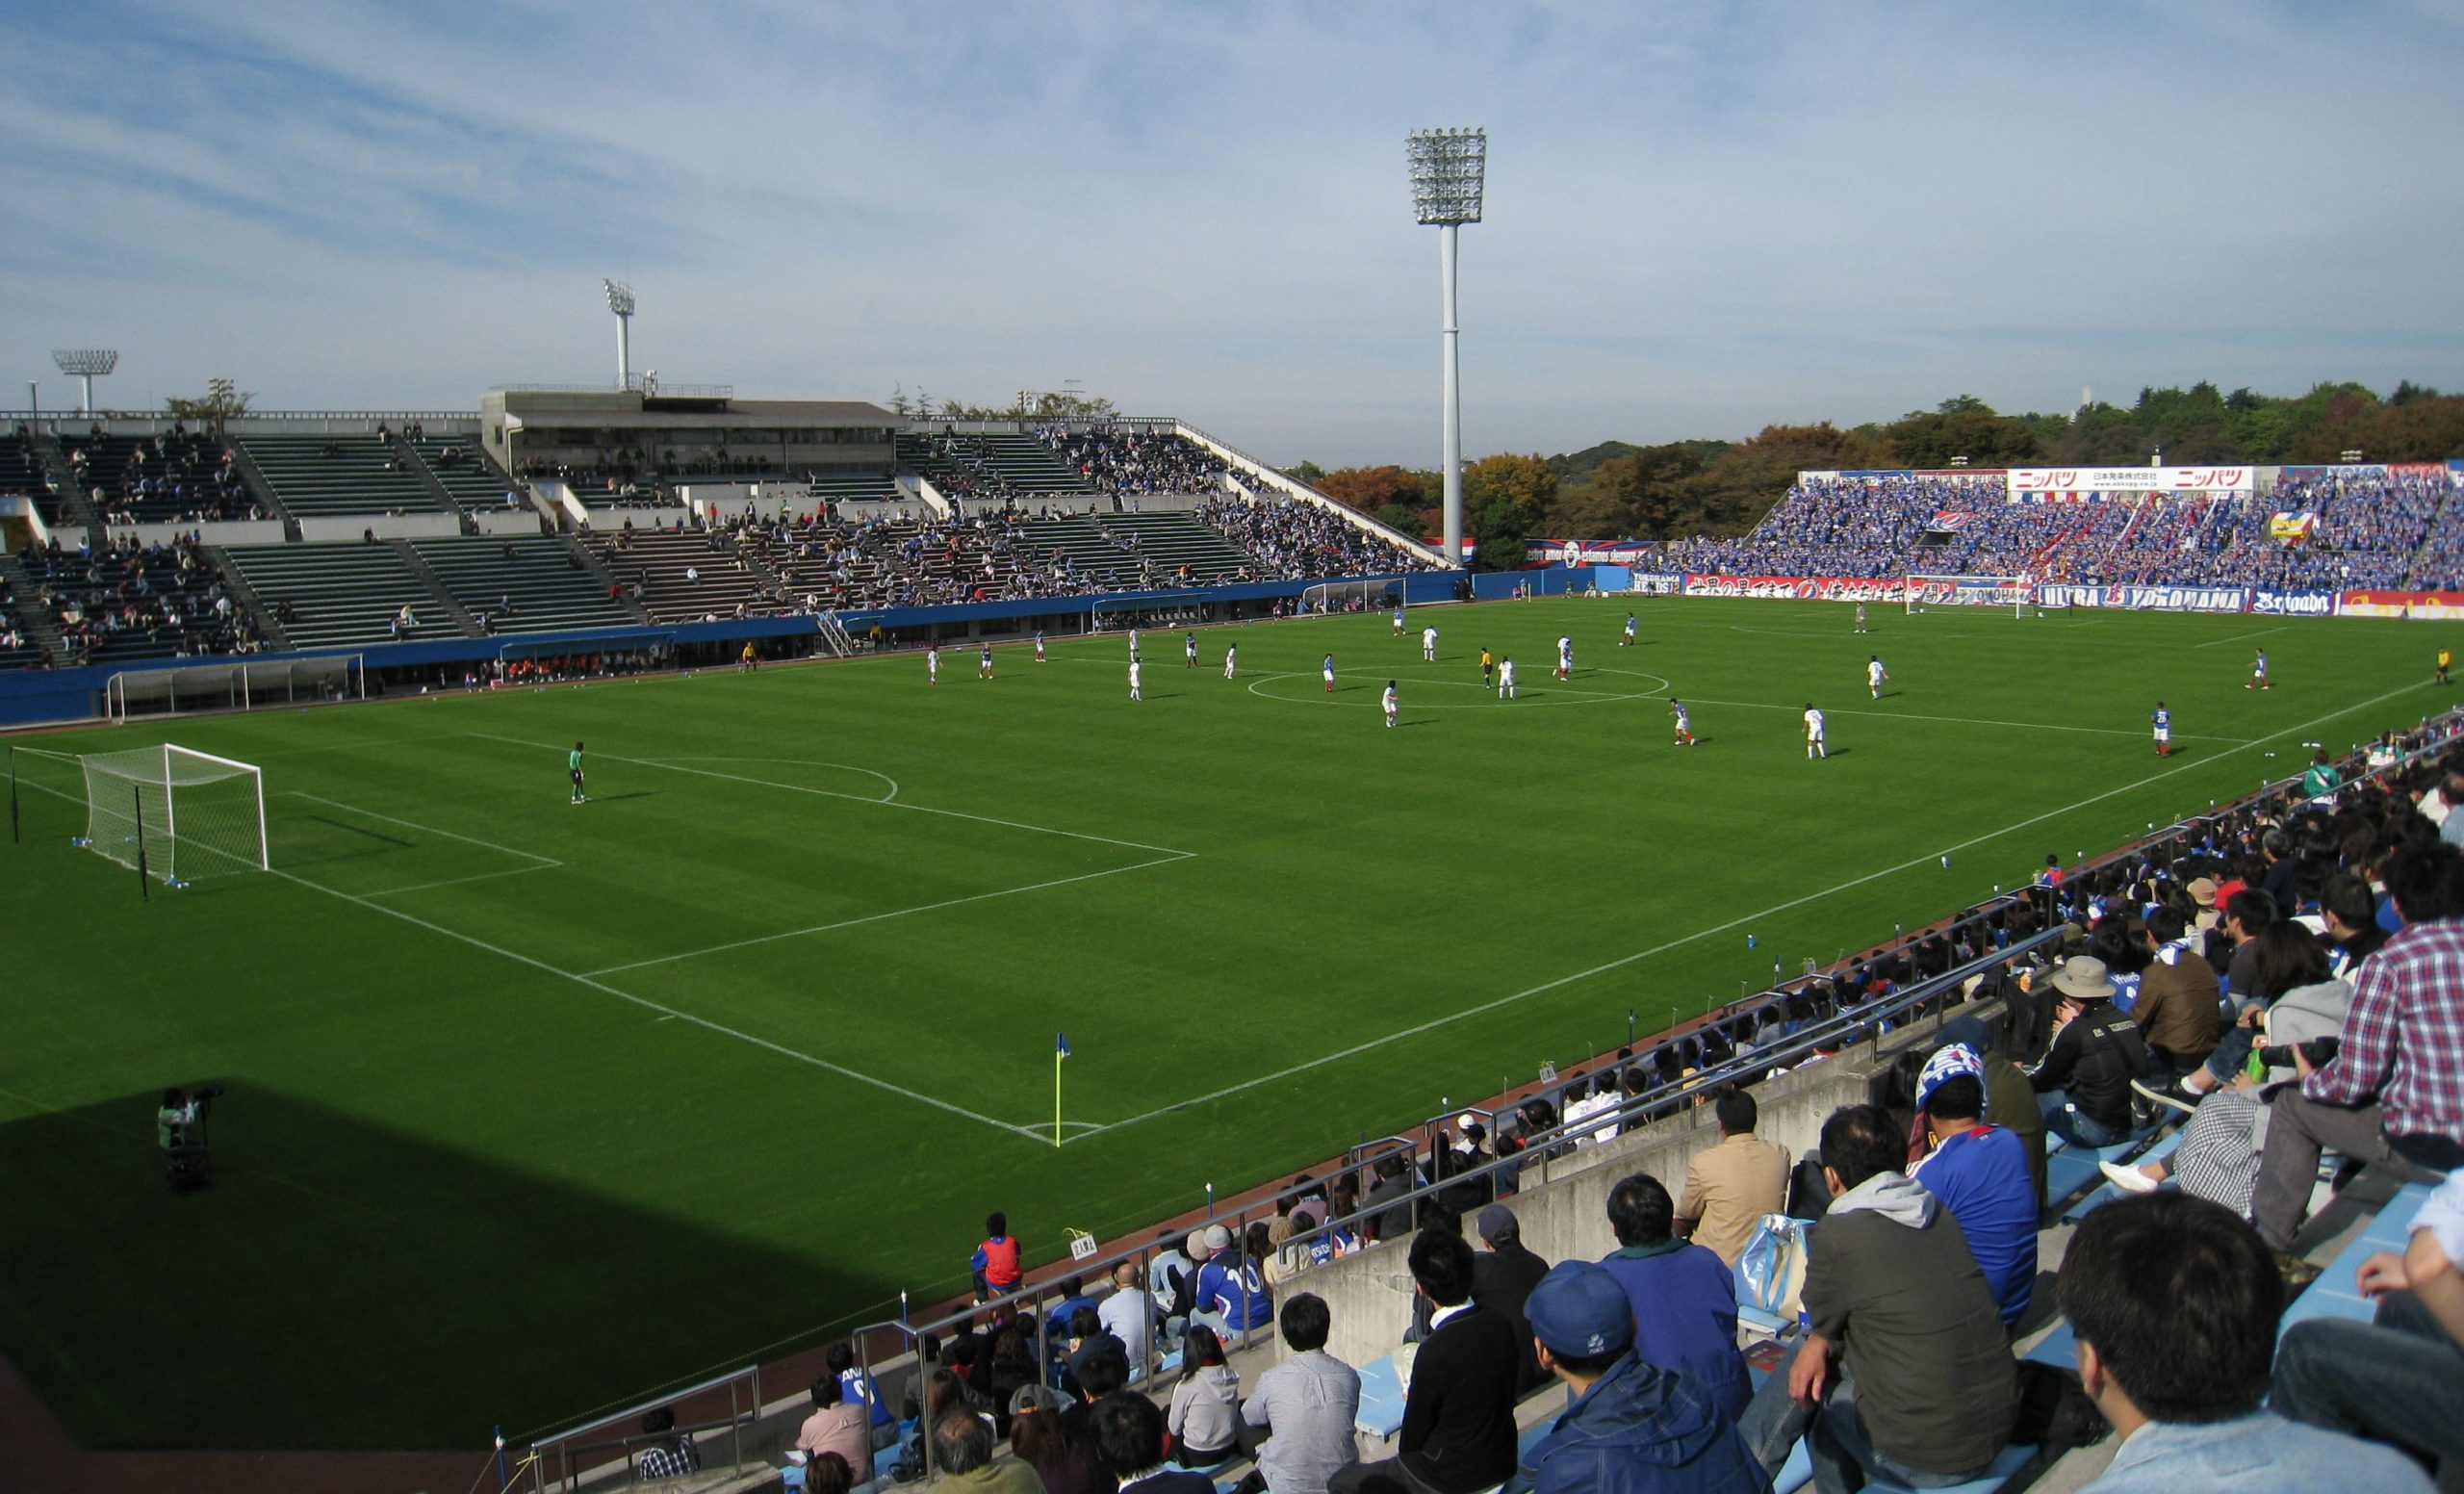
(2146, 599)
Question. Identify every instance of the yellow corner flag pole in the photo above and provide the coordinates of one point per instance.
(1060, 1051)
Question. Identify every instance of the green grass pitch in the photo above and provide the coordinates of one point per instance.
(535, 1109)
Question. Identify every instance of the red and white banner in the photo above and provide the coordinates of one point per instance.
(2031, 483)
(1953, 519)
(1802, 588)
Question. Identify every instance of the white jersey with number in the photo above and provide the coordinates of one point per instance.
(1388, 700)
(1813, 726)
(1429, 637)
(1874, 672)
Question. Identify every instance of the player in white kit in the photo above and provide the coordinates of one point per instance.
(1189, 650)
(1565, 658)
(1429, 644)
(1388, 700)
(933, 665)
(1230, 654)
(1133, 680)
(1038, 645)
(1874, 675)
(1505, 678)
(1814, 745)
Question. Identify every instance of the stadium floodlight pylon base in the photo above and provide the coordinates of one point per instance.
(1922, 593)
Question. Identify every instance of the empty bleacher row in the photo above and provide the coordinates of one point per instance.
(684, 575)
(530, 583)
(465, 472)
(360, 475)
(325, 594)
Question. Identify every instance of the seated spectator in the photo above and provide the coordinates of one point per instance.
(856, 1386)
(995, 1263)
(2083, 1084)
(1458, 1434)
(2399, 1378)
(828, 1473)
(1231, 1295)
(963, 1457)
(668, 1456)
(1730, 1187)
(2009, 1099)
(839, 1426)
(1304, 1407)
(1128, 1436)
(1206, 1405)
(2176, 1304)
(1925, 1390)
(1979, 1172)
(2176, 1011)
(1045, 1439)
(1629, 1427)
(1073, 1301)
(1684, 1297)
(1128, 1315)
(1503, 1273)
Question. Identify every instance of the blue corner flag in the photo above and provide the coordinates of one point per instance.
(1061, 1044)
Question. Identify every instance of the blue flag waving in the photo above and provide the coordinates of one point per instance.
(1061, 1044)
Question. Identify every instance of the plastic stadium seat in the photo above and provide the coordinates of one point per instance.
(1381, 1399)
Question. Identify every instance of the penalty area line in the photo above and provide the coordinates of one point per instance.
(1623, 960)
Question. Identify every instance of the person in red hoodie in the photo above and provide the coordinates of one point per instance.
(995, 1262)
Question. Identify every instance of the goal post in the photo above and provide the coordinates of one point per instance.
(182, 814)
(1923, 593)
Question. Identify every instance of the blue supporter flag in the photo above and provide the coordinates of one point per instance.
(1061, 1044)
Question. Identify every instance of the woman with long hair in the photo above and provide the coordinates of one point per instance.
(1205, 1420)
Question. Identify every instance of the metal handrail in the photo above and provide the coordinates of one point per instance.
(565, 1446)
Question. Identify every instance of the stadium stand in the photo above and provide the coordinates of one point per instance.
(174, 477)
(994, 470)
(20, 647)
(1128, 463)
(684, 575)
(138, 601)
(855, 487)
(1181, 547)
(465, 472)
(340, 477)
(532, 584)
(1292, 538)
(323, 595)
(21, 473)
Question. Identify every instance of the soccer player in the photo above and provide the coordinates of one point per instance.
(1388, 700)
(1133, 643)
(2259, 679)
(1488, 669)
(1189, 651)
(1628, 641)
(1505, 678)
(1133, 680)
(572, 769)
(747, 662)
(2164, 720)
(2444, 659)
(1399, 619)
(1815, 746)
(1565, 658)
(1861, 617)
(1328, 670)
(1038, 645)
(933, 665)
(984, 664)
(1874, 675)
(1428, 645)
(1231, 656)
(1685, 723)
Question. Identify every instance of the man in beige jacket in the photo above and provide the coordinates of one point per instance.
(1730, 1187)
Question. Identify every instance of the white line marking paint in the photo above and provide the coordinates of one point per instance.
(2028, 726)
(2240, 638)
(409, 824)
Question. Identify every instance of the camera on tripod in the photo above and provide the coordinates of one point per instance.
(180, 1126)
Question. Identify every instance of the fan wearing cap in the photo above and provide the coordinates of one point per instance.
(1631, 1426)
(1504, 1272)
(1979, 1172)
(2083, 1084)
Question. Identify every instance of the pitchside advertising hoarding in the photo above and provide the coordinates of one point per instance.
(1803, 588)
(2074, 485)
(2422, 605)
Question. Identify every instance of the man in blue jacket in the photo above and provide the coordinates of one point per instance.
(1630, 1427)
(1979, 1172)
(1683, 1295)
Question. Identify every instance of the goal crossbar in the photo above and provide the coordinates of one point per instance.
(1921, 592)
(176, 812)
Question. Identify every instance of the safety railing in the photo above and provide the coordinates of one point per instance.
(561, 1460)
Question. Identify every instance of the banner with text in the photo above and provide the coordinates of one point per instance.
(2146, 599)
(2073, 484)
(2294, 604)
(2421, 605)
(1806, 588)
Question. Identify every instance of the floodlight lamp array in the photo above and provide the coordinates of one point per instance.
(1448, 168)
(620, 297)
(85, 362)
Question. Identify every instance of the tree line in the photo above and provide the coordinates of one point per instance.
(1680, 489)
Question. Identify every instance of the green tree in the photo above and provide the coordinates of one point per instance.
(1964, 426)
(1403, 517)
(1526, 481)
(1502, 530)
(1306, 473)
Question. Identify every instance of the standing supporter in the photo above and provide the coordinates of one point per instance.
(2393, 1096)
(1925, 1390)
(1629, 1427)
(1730, 1187)
(1684, 1297)
(1458, 1432)
(1979, 1172)
(2399, 1379)
(2176, 1304)
(1503, 1275)
(1304, 1405)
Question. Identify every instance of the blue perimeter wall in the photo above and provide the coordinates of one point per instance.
(30, 697)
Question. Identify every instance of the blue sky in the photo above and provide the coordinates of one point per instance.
(1700, 217)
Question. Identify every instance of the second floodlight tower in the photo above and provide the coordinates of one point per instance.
(87, 364)
(620, 300)
(1450, 167)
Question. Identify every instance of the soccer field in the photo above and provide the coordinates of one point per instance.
(536, 1108)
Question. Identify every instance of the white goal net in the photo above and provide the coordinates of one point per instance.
(182, 815)
(2011, 592)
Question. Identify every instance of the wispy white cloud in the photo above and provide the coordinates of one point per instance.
(1701, 215)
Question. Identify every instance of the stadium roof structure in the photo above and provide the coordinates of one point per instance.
(614, 408)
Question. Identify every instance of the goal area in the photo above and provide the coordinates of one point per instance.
(1924, 593)
(175, 813)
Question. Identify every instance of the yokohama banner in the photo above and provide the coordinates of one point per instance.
(2146, 599)
(1809, 588)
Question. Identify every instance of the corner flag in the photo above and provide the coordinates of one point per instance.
(1060, 1051)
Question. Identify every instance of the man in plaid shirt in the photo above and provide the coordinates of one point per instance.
(669, 1456)
(2393, 1096)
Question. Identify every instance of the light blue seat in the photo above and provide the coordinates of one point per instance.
(2096, 1197)
(1381, 1399)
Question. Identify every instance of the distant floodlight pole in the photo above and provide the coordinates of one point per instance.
(1448, 169)
(87, 364)
(620, 300)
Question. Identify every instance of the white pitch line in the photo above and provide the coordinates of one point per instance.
(1562, 981)
(412, 824)
(2242, 636)
(2031, 725)
(831, 793)
(666, 1013)
(485, 876)
(896, 912)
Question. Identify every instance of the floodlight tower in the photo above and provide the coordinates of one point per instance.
(620, 300)
(85, 364)
(1448, 169)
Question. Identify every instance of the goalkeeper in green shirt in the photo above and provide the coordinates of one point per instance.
(573, 765)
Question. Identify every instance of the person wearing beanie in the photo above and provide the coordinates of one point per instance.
(1504, 1272)
(1979, 1172)
(1630, 1426)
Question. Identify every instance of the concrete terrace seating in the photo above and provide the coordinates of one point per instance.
(340, 477)
(340, 593)
(17, 646)
(1173, 541)
(132, 604)
(21, 476)
(543, 578)
(989, 468)
(1083, 542)
(472, 480)
(657, 560)
(857, 487)
(160, 479)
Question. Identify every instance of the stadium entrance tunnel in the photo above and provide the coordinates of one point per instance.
(344, 1285)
